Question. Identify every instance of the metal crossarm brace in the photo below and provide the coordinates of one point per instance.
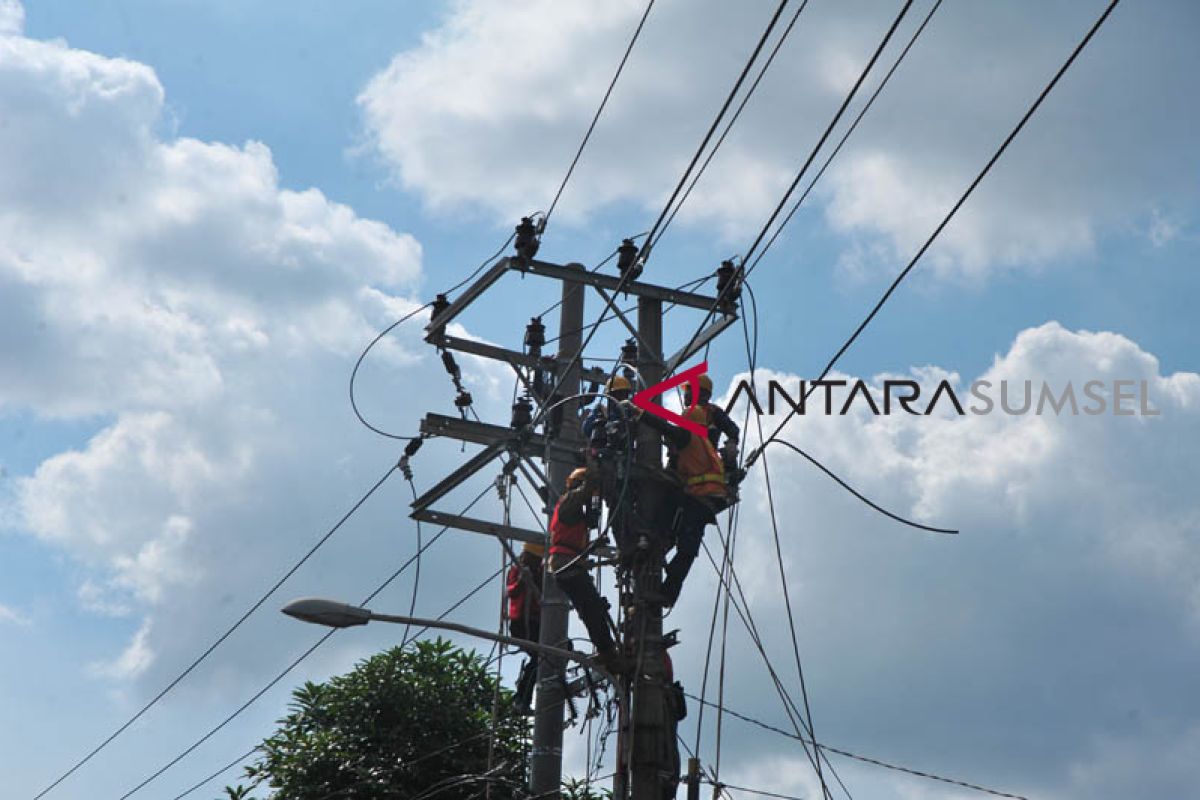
(612, 283)
(530, 445)
(458, 476)
(514, 357)
(470, 295)
(699, 342)
(480, 526)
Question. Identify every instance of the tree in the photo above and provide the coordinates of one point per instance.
(411, 722)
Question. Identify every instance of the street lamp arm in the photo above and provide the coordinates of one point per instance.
(495, 637)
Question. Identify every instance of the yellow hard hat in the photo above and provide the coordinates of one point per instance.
(534, 548)
(706, 384)
(576, 477)
(619, 382)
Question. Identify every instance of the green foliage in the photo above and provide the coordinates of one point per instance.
(574, 789)
(402, 723)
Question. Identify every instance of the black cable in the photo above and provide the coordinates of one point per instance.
(856, 756)
(218, 773)
(637, 32)
(829, 129)
(716, 123)
(737, 113)
(808, 161)
(845, 136)
(237, 712)
(199, 659)
(950, 215)
(866, 500)
(412, 604)
(362, 356)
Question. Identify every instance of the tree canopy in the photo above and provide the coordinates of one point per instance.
(412, 723)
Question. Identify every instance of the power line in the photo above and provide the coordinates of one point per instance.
(857, 757)
(578, 153)
(217, 774)
(407, 764)
(736, 114)
(861, 497)
(650, 239)
(949, 216)
(200, 659)
(362, 356)
(829, 128)
(846, 135)
(812, 155)
(237, 712)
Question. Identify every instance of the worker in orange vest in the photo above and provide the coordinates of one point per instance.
(523, 586)
(718, 423)
(704, 493)
(568, 542)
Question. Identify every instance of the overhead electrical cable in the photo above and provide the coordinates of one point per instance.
(280, 676)
(845, 136)
(857, 757)
(600, 110)
(829, 128)
(716, 123)
(949, 216)
(736, 114)
(220, 639)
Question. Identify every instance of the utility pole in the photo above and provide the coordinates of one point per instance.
(645, 744)
(563, 429)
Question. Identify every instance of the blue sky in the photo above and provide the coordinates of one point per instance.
(182, 312)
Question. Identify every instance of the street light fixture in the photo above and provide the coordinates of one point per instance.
(335, 614)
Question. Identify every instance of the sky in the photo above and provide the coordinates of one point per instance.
(209, 209)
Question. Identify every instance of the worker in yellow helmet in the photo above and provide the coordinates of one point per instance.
(617, 390)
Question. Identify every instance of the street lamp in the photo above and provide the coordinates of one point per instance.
(334, 614)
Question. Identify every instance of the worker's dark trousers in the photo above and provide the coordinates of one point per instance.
(693, 515)
(528, 630)
(579, 588)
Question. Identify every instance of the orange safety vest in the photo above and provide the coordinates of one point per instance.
(701, 468)
(567, 539)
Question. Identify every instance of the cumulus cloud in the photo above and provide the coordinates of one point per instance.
(485, 111)
(12, 17)
(169, 291)
(1060, 626)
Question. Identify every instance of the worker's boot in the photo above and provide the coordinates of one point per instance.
(677, 569)
(523, 699)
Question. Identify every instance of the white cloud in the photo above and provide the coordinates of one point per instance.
(476, 115)
(14, 617)
(12, 17)
(134, 660)
(1064, 615)
(204, 318)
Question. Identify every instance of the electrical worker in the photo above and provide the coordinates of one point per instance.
(618, 390)
(568, 543)
(719, 423)
(704, 494)
(523, 585)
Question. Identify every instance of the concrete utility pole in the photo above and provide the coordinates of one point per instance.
(647, 744)
(546, 767)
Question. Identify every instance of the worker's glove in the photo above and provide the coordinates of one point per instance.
(729, 453)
